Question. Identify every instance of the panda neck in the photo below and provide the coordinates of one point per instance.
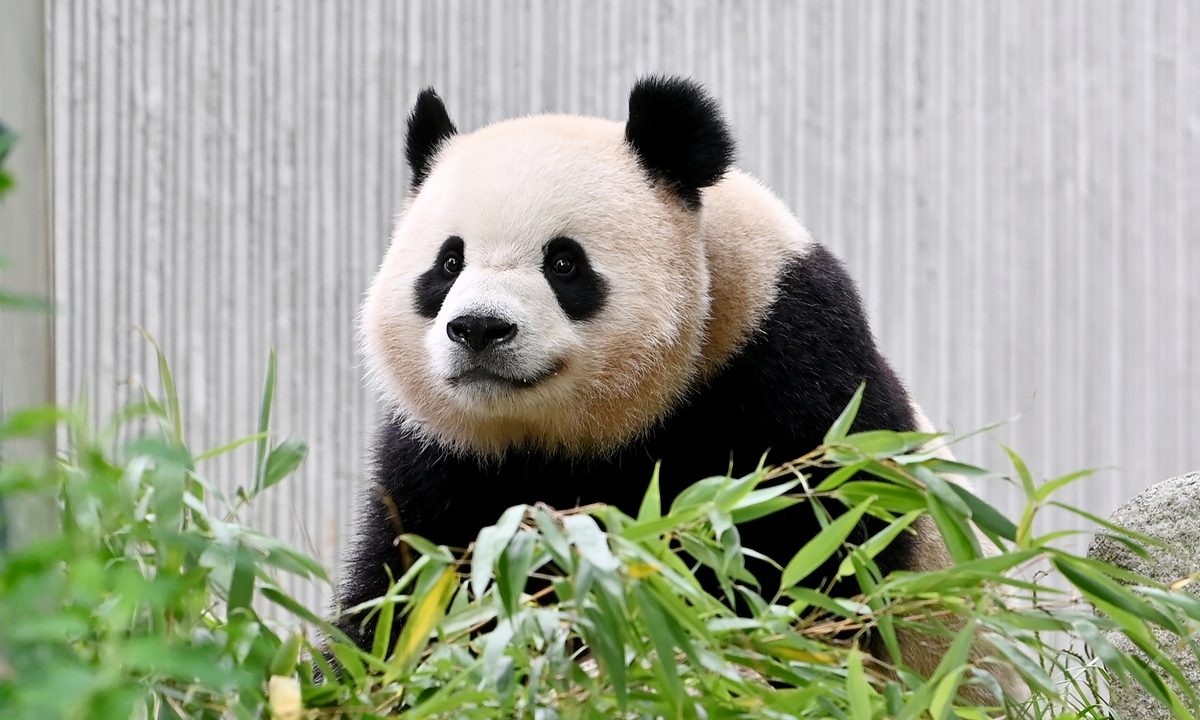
(750, 237)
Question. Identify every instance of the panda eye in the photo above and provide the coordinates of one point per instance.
(563, 266)
(453, 265)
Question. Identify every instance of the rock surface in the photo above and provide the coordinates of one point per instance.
(1170, 512)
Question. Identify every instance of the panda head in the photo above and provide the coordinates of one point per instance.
(546, 286)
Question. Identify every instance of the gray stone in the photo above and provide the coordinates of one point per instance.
(1170, 512)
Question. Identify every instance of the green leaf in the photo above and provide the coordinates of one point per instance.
(288, 603)
(427, 611)
(942, 489)
(762, 508)
(956, 531)
(1097, 586)
(494, 645)
(671, 521)
(384, 620)
(23, 303)
(349, 660)
(490, 542)
(943, 466)
(733, 492)
(512, 571)
(283, 459)
(651, 508)
(879, 541)
(1149, 678)
(1050, 487)
(287, 655)
(590, 540)
(840, 476)
(886, 469)
(887, 443)
(168, 383)
(28, 421)
(891, 497)
(605, 640)
(241, 586)
(264, 427)
(281, 555)
(1105, 523)
(1130, 545)
(816, 551)
(967, 574)
(984, 515)
(841, 426)
(698, 494)
(655, 621)
(450, 697)
(553, 539)
(424, 547)
(857, 688)
(1022, 472)
(228, 447)
(940, 705)
(1030, 671)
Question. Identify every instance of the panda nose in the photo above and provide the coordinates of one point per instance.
(478, 332)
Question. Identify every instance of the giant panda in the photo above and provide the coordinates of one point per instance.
(567, 301)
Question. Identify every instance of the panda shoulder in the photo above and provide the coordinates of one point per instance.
(750, 239)
(741, 212)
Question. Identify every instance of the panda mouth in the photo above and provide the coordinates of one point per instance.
(479, 375)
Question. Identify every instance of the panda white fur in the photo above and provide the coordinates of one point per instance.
(568, 300)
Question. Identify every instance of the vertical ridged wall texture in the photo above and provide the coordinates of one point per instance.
(1014, 185)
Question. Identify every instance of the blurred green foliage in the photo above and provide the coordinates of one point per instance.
(150, 602)
(9, 300)
(7, 140)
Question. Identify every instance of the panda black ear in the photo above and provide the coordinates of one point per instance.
(429, 127)
(679, 135)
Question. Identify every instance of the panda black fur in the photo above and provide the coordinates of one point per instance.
(567, 301)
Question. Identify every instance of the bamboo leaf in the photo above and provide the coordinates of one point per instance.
(1105, 523)
(841, 426)
(840, 476)
(604, 639)
(434, 552)
(264, 427)
(241, 585)
(283, 459)
(168, 383)
(1022, 472)
(857, 688)
(651, 508)
(228, 447)
(427, 611)
(1050, 487)
(512, 570)
(1099, 587)
(661, 637)
(816, 551)
(985, 516)
(590, 540)
(762, 509)
(489, 544)
(956, 531)
(880, 540)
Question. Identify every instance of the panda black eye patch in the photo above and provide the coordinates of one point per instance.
(435, 283)
(580, 290)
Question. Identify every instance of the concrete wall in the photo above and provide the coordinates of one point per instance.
(1015, 185)
(27, 367)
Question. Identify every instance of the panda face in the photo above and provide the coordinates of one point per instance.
(539, 292)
